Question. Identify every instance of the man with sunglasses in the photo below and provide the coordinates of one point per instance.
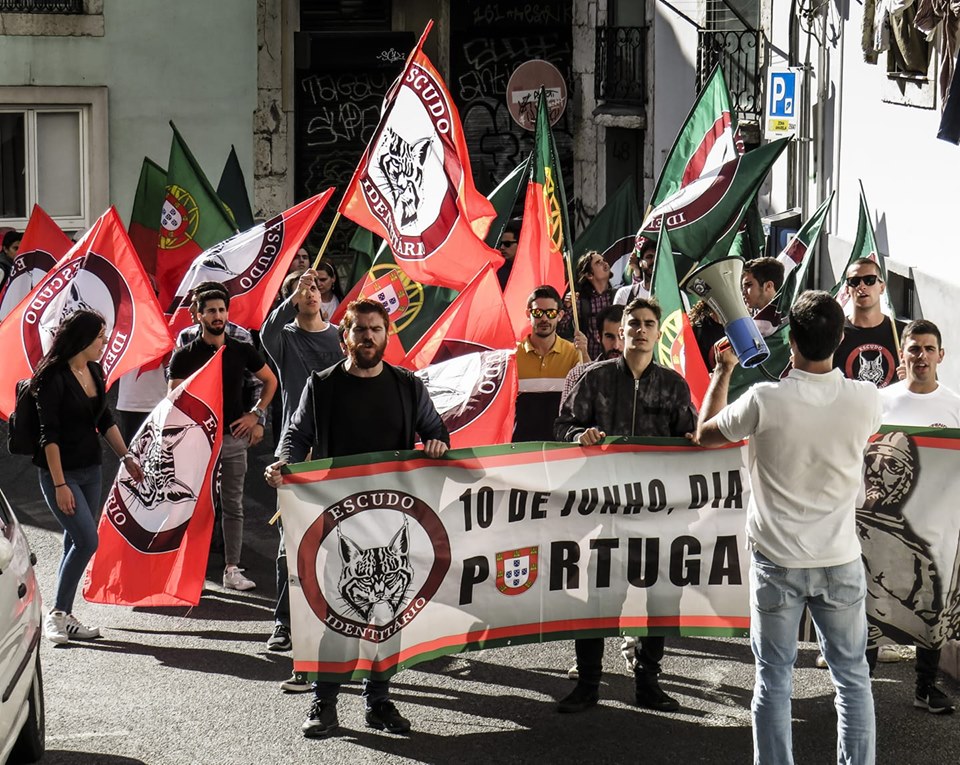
(543, 360)
(868, 351)
(508, 248)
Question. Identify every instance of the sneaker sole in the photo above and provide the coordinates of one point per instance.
(239, 588)
(295, 689)
(920, 704)
(278, 646)
(58, 639)
(320, 733)
(382, 726)
(85, 637)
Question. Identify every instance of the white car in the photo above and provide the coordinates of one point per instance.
(22, 726)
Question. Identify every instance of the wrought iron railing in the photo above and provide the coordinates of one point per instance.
(41, 6)
(620, 75)
(738, 54)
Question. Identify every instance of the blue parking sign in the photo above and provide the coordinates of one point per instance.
(783, 101)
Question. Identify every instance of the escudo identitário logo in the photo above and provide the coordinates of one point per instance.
(179, 218)
(91, 282)
(463, 388)
(517, 570)
(173, 446)
(371, 562)
(413, 175)
(28, 270)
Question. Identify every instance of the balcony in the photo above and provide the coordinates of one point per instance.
(620, 75)
(737, 51)
(74, 7)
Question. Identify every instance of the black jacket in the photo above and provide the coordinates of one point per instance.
(608, 398)
(70, 419)
(310, 424)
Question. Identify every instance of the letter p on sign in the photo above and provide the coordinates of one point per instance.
(783, 100)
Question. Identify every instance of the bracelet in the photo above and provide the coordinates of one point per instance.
(58, 485)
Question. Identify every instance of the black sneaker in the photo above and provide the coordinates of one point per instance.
(384, 715)
(322, 719)
(280, 639)
(934, 700)
(651, 696)
(581, 698)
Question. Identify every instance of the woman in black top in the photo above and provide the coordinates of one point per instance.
(72, 405)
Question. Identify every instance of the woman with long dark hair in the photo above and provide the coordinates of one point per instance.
(72, 404)
(329, 285)
(594, 296)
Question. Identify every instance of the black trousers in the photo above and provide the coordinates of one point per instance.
(928, 660)
(649, 654)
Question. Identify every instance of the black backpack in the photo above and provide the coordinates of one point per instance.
(23, 433)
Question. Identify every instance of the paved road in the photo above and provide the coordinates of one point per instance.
(176, 686)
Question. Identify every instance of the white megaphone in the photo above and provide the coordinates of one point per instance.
(718, 283)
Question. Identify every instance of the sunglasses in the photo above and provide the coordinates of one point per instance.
(869, 280)
(507, 243)
(539, 313)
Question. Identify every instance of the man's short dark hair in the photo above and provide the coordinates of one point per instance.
(921, 327)
(512, 227)
(546, 292)
(864, 262)
(765, 270)
(636, 304)
(816, 325)
(610, 313)
(366, 305)
(201, 298)
(11, 238)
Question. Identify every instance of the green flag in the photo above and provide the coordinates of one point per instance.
(711, 208)
(144, 226)
(612, 232)
(864, 246)
(798, 255)
(504, 199)
(192, 218)
(232, 191)
(707, 140)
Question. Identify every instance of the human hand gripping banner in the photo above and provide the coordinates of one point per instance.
(396, 559)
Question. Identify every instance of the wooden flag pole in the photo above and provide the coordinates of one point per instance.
(573, 292)
(326, 240)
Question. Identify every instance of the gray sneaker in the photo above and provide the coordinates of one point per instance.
(295, 684)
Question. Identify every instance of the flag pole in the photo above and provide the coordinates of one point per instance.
(567, 256)
(326, 240)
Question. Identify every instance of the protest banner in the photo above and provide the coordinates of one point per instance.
(396, 559)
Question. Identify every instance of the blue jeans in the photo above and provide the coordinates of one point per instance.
(835, 597)
(79, 529)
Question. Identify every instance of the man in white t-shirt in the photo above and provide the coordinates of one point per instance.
(920, 400)
(807, 437)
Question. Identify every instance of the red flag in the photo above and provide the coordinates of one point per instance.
(414, 186)
(155, 535)
(476, 320)
(102, 273)
(43, 244)
(251, 265)
(476, 396)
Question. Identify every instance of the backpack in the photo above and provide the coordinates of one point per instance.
(23, 432)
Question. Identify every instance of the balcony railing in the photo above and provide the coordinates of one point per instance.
(737, 52)
(42, 6)
(620, 76)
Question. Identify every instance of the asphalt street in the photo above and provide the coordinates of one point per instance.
(176, 686)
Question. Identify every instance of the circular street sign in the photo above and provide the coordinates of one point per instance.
(522, 89)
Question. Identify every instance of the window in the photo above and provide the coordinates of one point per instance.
(53, 154)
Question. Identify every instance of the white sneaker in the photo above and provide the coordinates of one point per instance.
(55, 627)
(888, 654)
(629, 651)
(821, 662)
(573, 673)
(77, 631)
(233, 579)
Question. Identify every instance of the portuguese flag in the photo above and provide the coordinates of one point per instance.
(144, 227)
(192, 218)
(677, 348)
(708, 139)
(545, 236)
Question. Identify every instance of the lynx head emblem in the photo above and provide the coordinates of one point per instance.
(402, 166)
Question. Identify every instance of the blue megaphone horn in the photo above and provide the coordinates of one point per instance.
(718, 283)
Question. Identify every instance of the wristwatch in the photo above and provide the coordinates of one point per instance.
(259, 412)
